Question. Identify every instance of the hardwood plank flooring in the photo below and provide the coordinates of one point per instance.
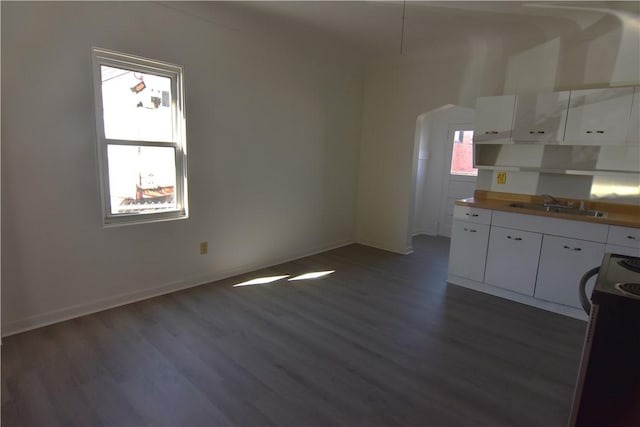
(383, 341)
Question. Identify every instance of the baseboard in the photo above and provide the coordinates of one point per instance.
(514, 296)
(423, 233)
(56, 316)
(379, 245)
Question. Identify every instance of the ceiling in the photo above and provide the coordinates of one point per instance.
(376, 27)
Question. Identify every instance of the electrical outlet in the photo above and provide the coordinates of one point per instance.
(204, 248)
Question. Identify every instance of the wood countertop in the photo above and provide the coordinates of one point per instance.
(615, 213)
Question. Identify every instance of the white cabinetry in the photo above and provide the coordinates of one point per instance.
(494, 118)
(469, 237)
(512, 259)
(540, 117)
(623, 240)
(598, 116)
(532, 259)
(468, 249)
(471, 214)
(563, 261)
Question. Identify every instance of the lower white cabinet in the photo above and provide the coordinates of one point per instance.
(563, 261)
(468, 250)
(623, 241)
(512, 259)
(532, 259)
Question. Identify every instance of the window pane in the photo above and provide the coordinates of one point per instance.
(141, 179)
(136, 106)
(462, 155)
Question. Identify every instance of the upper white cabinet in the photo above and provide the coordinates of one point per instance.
(598, 116)
(540, 117)
(633, 130)
(601, 117)
(494, 118)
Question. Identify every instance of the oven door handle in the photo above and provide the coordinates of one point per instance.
(584, 298)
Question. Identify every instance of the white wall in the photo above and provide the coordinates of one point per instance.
(273, 133)
(397, 90)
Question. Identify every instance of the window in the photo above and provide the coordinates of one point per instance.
(140, 123)
(462, 154)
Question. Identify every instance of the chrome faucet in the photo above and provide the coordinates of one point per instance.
(549, 200)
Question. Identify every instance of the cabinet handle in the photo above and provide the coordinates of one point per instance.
(589, 131)
(470, 230)
(469, 214)
(514, 238)
(495, 132)
(573, 249)
(532, 131)
(540, 131)
(632, 237)
(600, 131)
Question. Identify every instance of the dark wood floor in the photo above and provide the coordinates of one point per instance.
(382, 341)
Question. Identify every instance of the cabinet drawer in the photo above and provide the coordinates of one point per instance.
(624, 236)
(512, 259)
(471, 214)
(555, 226)
(623, 250)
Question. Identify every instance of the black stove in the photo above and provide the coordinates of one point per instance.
(618, 281)
(608, 387)
(632, 264)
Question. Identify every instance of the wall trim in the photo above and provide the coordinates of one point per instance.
(425, 233)
(61, 315)
(385, 247)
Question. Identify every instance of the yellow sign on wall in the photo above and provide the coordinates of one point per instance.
(501, 178)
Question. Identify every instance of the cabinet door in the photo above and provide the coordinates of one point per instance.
(512, 259)
(494, 118)
(540, 117)
(563, 261)
(633, 130)
(598, 116)
(468, 250)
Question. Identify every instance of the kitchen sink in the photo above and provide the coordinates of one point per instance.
(559, 209)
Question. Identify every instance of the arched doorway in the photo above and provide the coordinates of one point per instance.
(432, 162)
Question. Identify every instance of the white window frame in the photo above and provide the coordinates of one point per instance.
(175, 74)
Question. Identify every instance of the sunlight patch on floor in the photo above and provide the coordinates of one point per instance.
(260, 281)
(314, 275)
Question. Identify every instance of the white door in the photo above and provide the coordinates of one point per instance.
(460, 177)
